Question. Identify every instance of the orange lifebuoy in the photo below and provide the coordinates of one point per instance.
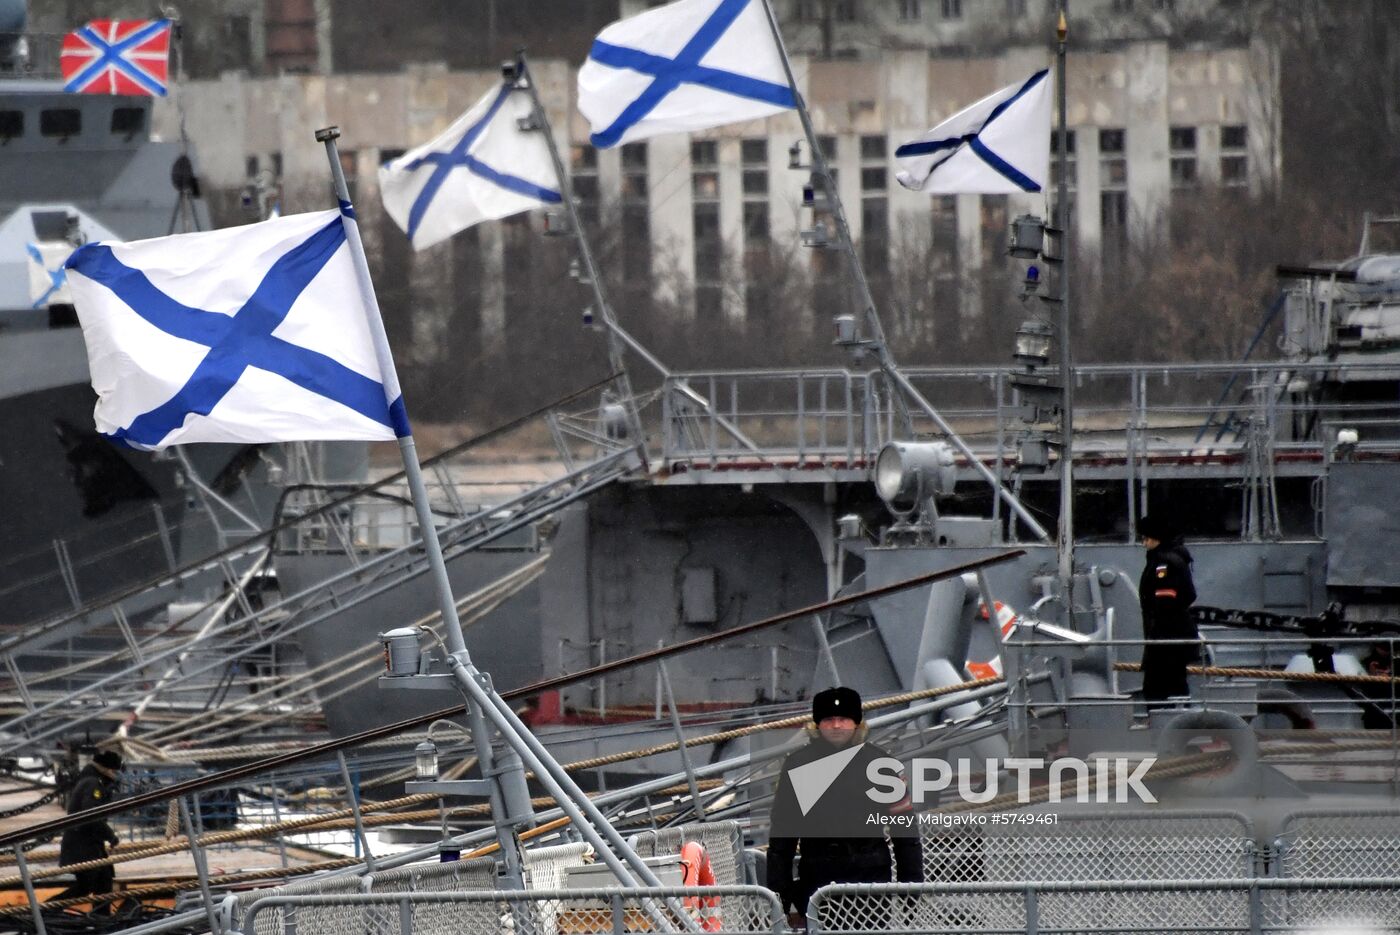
(1007, 620)
(698, 872)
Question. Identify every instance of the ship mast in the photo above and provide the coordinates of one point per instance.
(1061, 221)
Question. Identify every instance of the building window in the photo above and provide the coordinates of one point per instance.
(636, 245)
(1113, 185)
(1182, 141)
(756, 222)
(583, 177)
(583, 158)
(808, 11)
(875, 235)
(61, 123)
(634, 172)
(952, 9)
(1015, 8)
(704, 153)
(910, 10)
(873, 179)
(1234, 160)
(873, 148)
(1113, 214)
(753, 155)
(250, 166)
(704, 186)
(828, 145)
(708, 243)
(276, 165)
(386, 156)
(844, 11)
(634, 156)
(755, 182)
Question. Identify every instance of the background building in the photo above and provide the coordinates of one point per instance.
(1147, 120)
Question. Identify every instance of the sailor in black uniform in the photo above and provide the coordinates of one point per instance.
(853, 846)
(1166, 593)
(96, 785)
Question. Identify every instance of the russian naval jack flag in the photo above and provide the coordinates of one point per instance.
(247, 334)
(482, 167)
(688, 65)
(998, 146)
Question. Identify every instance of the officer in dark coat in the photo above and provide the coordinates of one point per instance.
(1166, 593)
(855, 830)
(96, 785)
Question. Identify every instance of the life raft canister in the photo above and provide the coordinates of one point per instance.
(698, 872)
(1006, 620)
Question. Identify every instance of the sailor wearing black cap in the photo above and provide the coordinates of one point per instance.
(96, 785)
(827, 815)
(1166, 593)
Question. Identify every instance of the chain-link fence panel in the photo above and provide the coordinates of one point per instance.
(547, 867)
(539, 912)
(1123, 846)
(723, 842)
(1108, 907)
(1334, 906)
(328, 920)
(1144, 912)
(1329, 844)
(454, 876)
(854, 913)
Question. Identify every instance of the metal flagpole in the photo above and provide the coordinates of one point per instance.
(876, 340)
(413, 473)
(483, 701)
(1066, 530)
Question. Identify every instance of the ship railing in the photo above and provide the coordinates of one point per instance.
(793, 418)
(1118, 845)
(723, 842)
(1268, 655)
(811, 417)
(1258, 905)
(744, 910)
(33, 55)
(1326, 843)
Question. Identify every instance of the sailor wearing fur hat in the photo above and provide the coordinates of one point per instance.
(828, 817)
(96, 785)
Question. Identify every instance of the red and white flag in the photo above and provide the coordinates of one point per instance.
(117, 56)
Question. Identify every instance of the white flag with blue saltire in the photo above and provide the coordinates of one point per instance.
(48, 284)
(480, 168)
(688, 65)
(1000, 145)
(248, 334)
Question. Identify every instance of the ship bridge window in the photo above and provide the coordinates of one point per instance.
(128, 121)
(11, 125)
(62, 123)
